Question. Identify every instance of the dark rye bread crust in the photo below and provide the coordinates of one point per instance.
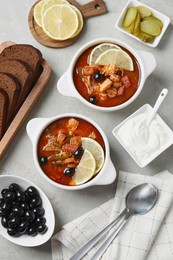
(3, 111)
(21, 72)
(12, 87)
(26, 53)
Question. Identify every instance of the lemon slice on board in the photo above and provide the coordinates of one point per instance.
(80, 20)
(99, 49)
(49, 3)
(38, 12)
(85, 169)
(118, 57)
(60, 22)
(95, 148)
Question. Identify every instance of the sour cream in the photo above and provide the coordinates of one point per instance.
(143, 141)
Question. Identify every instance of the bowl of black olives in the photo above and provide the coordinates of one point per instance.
(106, 74)
(26, 214)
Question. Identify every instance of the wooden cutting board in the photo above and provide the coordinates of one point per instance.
(27, 105)
(93, 8)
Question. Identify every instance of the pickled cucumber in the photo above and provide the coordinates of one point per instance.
(154, 20)
(144, 11)
(137, 25)
(150, 27)
(140, 22)
(145, 37)
(130, 17)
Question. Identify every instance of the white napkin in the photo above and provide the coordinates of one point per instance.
(148, 236)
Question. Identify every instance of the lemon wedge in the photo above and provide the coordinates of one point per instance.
(118, 57)
(60, 22)
(38, 12)
(99, 49)
(95, 148)
(85, 169)
(49, 3)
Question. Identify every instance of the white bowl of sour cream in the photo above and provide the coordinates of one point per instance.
(143, 142)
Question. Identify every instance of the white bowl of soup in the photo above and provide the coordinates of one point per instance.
(106, 74)
(71, 151)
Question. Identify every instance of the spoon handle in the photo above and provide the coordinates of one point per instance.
(108, 241)
(159, 101)
(86, 247)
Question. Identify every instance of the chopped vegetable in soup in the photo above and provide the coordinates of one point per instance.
(60, 149)
(105, 85)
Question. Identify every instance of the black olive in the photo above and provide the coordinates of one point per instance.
(9, 196)
(6, 208)
(39, 211)
(15, 204)
(78, 153)
(13, 222)
(20, 196)
(29, 215)
(98, 76)
(4, 191)
(92, 100)
(1, 202)
(12, 215)
(43, 160)
(69, 172)
(14, 187)
(1, 212)
(27, 196)
(12, 232)
(4, 221)
(32, 231)
(18, 211)
(40, 220)
(35, 202)
(22, 228)
(32, 191)
(24, 206)
(42, 228)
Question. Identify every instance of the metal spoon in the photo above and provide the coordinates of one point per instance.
(139, 200)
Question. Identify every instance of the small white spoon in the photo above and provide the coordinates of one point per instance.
(159, 101)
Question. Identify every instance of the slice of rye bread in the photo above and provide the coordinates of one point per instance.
(3, 112)
(12, 88)
(26, 53)
(21, 72)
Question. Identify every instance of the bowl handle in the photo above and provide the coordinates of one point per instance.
(149, 62)
(64, 87)
(109, 177)
(33, 128)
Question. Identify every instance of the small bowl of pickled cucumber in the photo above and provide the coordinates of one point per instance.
(143, 23)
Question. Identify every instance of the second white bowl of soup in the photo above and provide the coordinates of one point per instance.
(106, 74)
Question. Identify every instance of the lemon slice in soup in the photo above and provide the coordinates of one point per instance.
(99, 49)
(97, 151)
(85, 169)
(118, 57)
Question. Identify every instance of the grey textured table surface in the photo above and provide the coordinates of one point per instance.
(18, 159)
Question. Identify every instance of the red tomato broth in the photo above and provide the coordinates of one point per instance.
(134, 77)
(84, 130)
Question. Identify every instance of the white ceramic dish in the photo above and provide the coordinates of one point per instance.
(143, 162)
(26, 240)
(106, 175)
(165, 20)
(146, 61)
